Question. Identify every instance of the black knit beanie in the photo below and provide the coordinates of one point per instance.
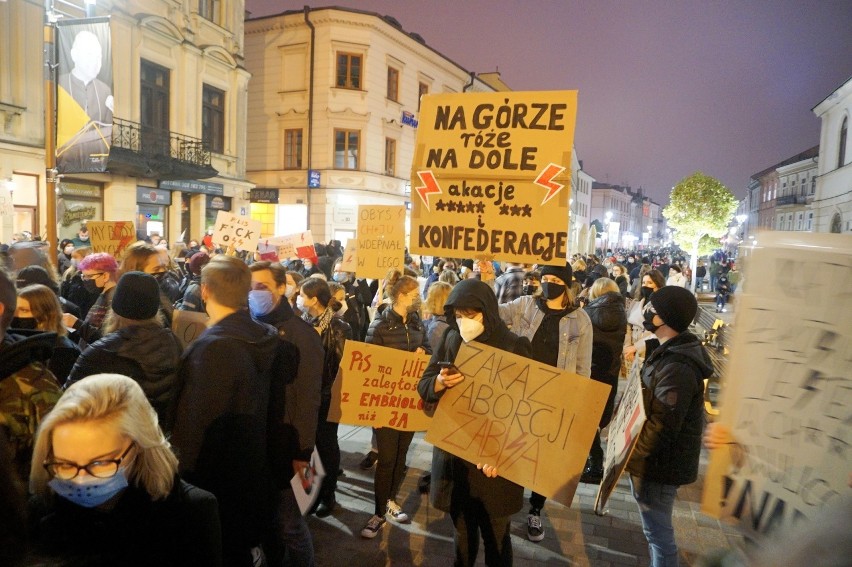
(676, 306)
(562, 272)
(137, 296)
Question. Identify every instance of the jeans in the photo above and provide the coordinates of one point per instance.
(393, 448)
(656, 502)
(471, 521)
(293, 544)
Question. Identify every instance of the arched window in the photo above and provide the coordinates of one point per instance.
(835, 223)
(841, 154)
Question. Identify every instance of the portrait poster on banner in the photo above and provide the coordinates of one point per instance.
(236, 231)
(624, 430)
(381, 240)
(377, 386)
(786, 397)
(112, 237)
(534, 422)
(491, 176)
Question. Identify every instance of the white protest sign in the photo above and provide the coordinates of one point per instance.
(296, 245)
(235, 231)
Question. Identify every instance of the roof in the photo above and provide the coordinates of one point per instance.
(807, 154)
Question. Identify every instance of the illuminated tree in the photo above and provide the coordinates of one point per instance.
(699, 206)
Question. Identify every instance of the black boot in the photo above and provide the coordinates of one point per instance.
(593, 472)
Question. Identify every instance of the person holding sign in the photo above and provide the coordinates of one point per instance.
(398, 326)
(478, 501)
(560, 335)
(667, 451)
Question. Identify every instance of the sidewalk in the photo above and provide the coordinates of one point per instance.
(573, 536)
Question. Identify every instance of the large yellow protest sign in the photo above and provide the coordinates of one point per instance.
(533, 421)
(381, 240)
(111, 236)
(491, 176)
(377, 386)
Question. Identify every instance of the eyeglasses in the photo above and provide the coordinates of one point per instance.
(92, 276)
(98, 469)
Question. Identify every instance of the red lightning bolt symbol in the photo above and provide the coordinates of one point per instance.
(430, 185)
(116, 235)
(545, 179)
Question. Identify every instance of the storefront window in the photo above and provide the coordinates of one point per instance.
(152, 212)
(77, 203)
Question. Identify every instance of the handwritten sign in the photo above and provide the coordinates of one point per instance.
(491, 176)
(377, 386)
(111, 236)
(787, 396)
(188, 325)
(314, 473)
(297, 245)
(349, 262)
(381, 240)
(236, 231)
(522, 416)
(624, 430)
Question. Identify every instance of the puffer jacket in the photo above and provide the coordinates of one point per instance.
(609, 324)
(669, 446)
(388, 329)
(148, 353)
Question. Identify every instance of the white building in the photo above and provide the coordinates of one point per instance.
(612, 207)
(581, 212)
(832, 204)
(793, 206)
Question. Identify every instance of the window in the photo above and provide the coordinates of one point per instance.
(841, 154)
(154, 107)
(422, 89)
(810, 221)
(390, 157)
(799, 220)
(293, 148)
(346, 144)
(393, 84)
(348, 71)
(813, 185)
(213, 119)
(209, 10)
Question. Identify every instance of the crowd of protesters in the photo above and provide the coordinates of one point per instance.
(140, 451)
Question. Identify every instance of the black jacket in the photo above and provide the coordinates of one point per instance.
(333, 340)
(609, 325)
(63, 357)
(388, 329)
(673, 391)
(148, 353)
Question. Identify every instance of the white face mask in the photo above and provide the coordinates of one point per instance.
(289, 291)
(342, 309)
(300, 303)
(469, 329)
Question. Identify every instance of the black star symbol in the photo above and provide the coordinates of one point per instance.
(480, 208)
(460, 206)
(471, 206)
(451, 206)
(516, 211)
(504, 209)
(527, 211)
(439, 206)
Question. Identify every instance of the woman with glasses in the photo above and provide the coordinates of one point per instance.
(106, 486)
(99, 276)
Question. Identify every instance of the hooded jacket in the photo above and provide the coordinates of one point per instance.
(455, 482)
(669, 446)
(609, 325)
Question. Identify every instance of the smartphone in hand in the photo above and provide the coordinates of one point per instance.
(451, 367)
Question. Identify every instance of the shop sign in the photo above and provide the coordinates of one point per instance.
(151, 196)
(193, 186)
(264, 196)
(80, 190)
(313, 178)
(218, 203)
(346, 214)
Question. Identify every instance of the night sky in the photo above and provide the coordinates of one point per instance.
(665, 87)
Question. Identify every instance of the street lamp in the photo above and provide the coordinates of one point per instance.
(607, 220)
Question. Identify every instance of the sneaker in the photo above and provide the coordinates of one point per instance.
(325, 508)
(535, 531)
(369, 460)
(373, 527)
(396, 512)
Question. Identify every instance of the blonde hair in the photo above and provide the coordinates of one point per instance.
(602, 286)
(578, 266)
(117, 398)
(228, 280)
(45, 307)
(113, 322)
(436, 298)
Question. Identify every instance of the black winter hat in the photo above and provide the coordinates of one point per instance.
(137, 296)
(676, 306)
(564, 273)
(30, 275)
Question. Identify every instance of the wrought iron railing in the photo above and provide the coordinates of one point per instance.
(156, 143)
(790, 200)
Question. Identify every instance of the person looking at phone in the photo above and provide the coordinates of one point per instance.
(477, 499)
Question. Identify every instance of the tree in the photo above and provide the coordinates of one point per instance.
(699, 206)
(598, 225)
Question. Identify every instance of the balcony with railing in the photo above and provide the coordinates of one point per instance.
(141, 151)
(785, 200)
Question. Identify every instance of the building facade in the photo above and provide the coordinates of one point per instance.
(832, 203)
(793, 206)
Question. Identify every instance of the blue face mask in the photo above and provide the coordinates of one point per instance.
(341, 277)
(261, 302)
(92, 492)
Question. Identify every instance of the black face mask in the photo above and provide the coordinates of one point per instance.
(648, 323)
(529, 289)
(550, 290)
(27, 323)
(646, 293)
(92, 287)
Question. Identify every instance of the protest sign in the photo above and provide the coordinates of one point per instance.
(349, 263)
(381, 240)
(624, 430)
(491, 176)
(377, 386)
(187, 325)
(534, 422)
(111, 236)
(236, 231)
(787, 392)
(306, 490)
(296, 245)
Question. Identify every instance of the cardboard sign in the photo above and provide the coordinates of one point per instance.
(624, 430)
(235, 231)
(350, 256)
(381, 240)
(377, 386)
(787, 393)
(491, 176)
(296, 245)
(187, 325)
(533, 421)
(111, 236)
(305, 497)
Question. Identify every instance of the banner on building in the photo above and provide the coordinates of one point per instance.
(84, 101)
(522, 416)
(491, 176)
(377, 386)
(787, 393)
(112, 237)
(381, 240)
(236, 231)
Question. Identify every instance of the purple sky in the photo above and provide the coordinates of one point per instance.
(666, 87)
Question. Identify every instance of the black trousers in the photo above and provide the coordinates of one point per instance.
(329, 451)
(471, 521)
(393, 447)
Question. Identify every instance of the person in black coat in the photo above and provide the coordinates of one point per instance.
(478, 501)
(135, 343)
(136, 509)
(609, 327)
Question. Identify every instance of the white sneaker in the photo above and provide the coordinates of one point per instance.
(535, 531)
(373, 527)
(396, 512)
